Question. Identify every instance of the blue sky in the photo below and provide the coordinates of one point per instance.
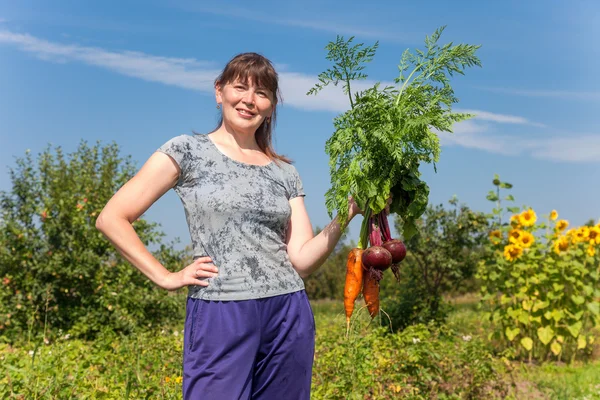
(139, 73)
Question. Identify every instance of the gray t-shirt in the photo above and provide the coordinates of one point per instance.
(238, 214)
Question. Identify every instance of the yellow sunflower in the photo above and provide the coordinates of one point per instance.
(581, 234)
(528, 217)
(526, 239)
(562, 225)
(514, 236)
(594, 235)
(514, 221)
(591, 250)
(561, 244)
(553, 215)
(495, 236)
(512, 252)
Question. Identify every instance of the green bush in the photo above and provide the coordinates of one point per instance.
(57, 271)
(409, 303)
(440, 258)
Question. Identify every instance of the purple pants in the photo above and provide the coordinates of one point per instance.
(250, 349)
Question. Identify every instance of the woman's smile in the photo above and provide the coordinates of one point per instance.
(245, 113)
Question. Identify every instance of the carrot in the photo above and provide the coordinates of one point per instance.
(354, 280)
(371, 293)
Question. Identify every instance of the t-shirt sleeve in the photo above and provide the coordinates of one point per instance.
(179, 149)
(296, 188)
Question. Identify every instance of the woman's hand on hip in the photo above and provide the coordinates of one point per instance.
(194, 274)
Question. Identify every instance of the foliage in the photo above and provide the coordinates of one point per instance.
(540, 282)
(441, 257)
(57, 270)
(419, 363)
(379, 143)
(142, 366)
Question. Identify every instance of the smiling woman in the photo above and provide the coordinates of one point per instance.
(248, 91)
(249, 328)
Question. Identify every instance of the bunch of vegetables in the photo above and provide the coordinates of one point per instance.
(379, 143)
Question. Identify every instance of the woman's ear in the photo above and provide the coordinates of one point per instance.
(218, 94)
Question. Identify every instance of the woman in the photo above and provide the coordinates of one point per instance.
(249, 329)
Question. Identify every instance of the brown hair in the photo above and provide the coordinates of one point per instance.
(260, 70)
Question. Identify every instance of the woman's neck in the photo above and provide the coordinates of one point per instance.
(230, 137)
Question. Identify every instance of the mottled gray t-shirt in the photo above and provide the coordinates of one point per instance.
(238, 215)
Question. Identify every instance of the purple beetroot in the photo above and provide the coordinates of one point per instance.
(377, 257)
(397, 249)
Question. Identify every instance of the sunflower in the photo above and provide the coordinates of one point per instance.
(526, 239)
(561, 244)
(495, 236)
(514, 236)
(581, 234)
(528, 217)
(512, 252)
(514, 221)
(594, 235)
(553, 215)
(591, 250)
(562, 225)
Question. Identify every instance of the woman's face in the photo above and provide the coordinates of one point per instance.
(244, 105)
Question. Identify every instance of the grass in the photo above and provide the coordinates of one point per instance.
(561, 382)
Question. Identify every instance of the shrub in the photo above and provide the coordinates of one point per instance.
(441, 257)
(57, 271)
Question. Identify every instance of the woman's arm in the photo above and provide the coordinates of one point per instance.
(155, 178)
(306, 251)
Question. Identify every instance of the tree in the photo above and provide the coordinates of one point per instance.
(441, 257)
(57, 270)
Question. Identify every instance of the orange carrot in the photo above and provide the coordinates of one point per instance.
(354, 279)
(371, 293)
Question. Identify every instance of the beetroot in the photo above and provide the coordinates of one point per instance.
(377, 257)
(396, 249)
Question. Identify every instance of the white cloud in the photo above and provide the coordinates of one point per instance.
(474, 135)
(561, 94)
(295, 85)
(181, 72)
(500, 118)
(584, 148)
(198, 75)
(568, 148)
(185, 73)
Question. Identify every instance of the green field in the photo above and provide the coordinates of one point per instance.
(368, 364)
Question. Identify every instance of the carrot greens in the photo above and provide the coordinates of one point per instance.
(389, 130)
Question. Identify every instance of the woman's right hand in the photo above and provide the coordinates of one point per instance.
(194, 274)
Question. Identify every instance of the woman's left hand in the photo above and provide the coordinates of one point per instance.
(354, 209)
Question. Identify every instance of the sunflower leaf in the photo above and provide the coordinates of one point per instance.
(527, 343)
